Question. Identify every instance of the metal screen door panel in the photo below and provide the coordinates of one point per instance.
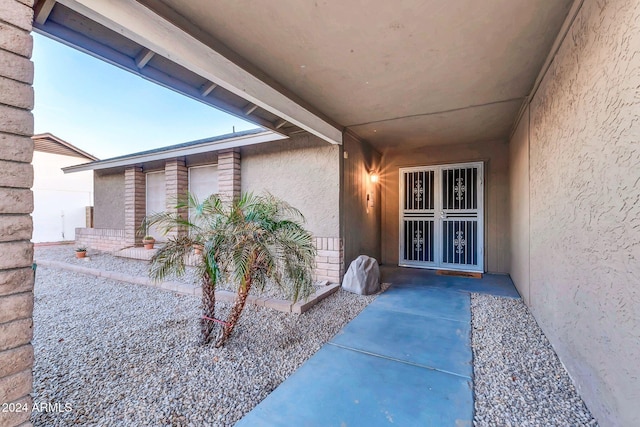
(441, 223)
(461, 193)
(418, 217)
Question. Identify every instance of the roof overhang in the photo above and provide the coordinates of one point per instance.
(170, 153)
(243, 94)
(52, 138)
(399, 75)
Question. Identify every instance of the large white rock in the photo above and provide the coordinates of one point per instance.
(362, 277)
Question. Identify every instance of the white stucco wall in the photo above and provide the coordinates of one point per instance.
(59, 199)
(304, 171)
(584, 186)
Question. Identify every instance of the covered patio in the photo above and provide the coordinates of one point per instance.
(536, 101)
(436, 91)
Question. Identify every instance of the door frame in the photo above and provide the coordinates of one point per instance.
(438, 220)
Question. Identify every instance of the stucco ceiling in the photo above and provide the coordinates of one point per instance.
(398, 74)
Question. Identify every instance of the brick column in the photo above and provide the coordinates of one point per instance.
(330, 259)
(135, 204)
(88, 216)
(16, 205)
(177, 184)
(229, 173)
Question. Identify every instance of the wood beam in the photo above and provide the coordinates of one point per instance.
(43, 10)
(141, 25)
(143, 58)
(208, 88)
(91, 47)
(279, 123)
(250, 108)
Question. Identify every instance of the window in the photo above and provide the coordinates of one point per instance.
(203, 181)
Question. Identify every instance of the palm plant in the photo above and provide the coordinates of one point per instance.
(248, 242)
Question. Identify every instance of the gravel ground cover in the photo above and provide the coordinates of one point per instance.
(134, 267)
(104, 261)
(518, 378)
(124, 355)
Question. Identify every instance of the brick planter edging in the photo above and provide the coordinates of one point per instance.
(182, 288)
(102, 239)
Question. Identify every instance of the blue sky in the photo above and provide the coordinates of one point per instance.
(107, 111)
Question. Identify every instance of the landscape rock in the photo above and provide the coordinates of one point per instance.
(518, 378)
(363, 276)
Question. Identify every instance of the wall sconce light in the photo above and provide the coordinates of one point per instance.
(373, 175)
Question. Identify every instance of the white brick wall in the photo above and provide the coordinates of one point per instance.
(330, 259)
(102, 239)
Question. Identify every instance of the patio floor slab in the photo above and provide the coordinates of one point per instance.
(342, 387)
(422, 340)
(427, 301)
(490, 284)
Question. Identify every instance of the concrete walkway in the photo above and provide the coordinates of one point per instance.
(405, 360)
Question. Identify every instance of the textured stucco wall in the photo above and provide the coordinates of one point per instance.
(108, 209)
(519, 206)
(585, 207)
(496, 194)
(304, 171)
(360, 223)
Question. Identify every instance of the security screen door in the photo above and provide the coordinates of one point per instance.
(441, 217)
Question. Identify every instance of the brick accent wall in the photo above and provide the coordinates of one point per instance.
(229, 173)
(177, 183)
(88, 216)
(16, 205)
(135, 204)
(102, 239)
(330, 259)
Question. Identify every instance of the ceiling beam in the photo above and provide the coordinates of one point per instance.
(43, 10)
(279, 123)
(143, 58)
(146, 28)
(208, 88)
(249, 109)
(110, 55)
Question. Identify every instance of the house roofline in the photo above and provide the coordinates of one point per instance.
(179, 150)
(64, 143)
